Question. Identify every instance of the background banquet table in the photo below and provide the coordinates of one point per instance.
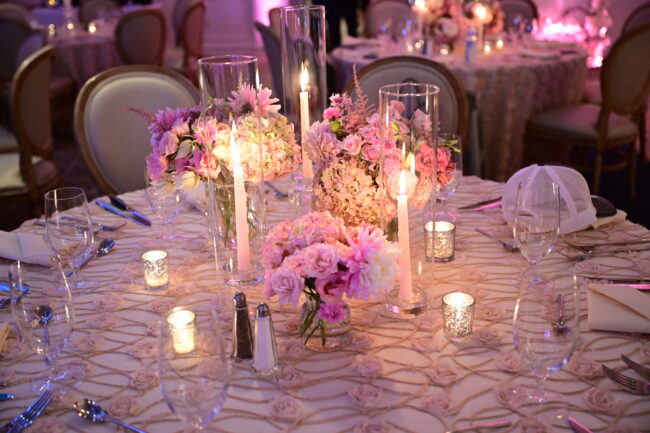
(509, 88)
(85, 55)
(109, 351)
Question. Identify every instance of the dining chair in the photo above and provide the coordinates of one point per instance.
(525, 8)
(275, 21)
(16, 12)
(140, 37)
(178, 12)
(273, 53)
(90, 10)
(637, 17)
(191, 33)
(114, 141)
(454, 111)
(625, 83)
(29, 171)
(379, 14)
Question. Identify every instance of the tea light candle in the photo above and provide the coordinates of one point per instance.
(487, 48)
(440, 239)
(458, 316)
(499, 44)
(154, 264)
(181, 327)
(92, 28)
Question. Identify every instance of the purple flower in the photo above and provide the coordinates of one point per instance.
(286, 283)
(332, 313)
(331, 113)
(156, 165)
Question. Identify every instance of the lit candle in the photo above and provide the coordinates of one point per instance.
(92, 28)
(405, 285)
(307, 170)
(487, 48)
(154, 264)
(499, 44)
(458, 315)
(480, 13)
(241, 209)
(181, 327)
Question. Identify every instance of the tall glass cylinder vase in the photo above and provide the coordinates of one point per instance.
(305, 83)
(408, 114)
(229, 131)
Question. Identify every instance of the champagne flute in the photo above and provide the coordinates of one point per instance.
(536, 223)
(450, 171)
(71, 239)
(43, 311)
(545, 333)
(193, 365)
(164, 200)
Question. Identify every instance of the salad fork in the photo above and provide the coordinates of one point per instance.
(26, 418)
(640, 369)
(634, 386)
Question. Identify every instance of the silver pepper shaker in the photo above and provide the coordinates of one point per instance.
(242, 336)
(265, 360)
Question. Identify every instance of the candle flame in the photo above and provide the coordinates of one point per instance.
(304, 78)
(420, 5)
(234, 147)
(480, 12)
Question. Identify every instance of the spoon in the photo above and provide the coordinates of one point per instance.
(506, 245)
(44, 315)
(560, 326)
(91, 410)
(104, 248)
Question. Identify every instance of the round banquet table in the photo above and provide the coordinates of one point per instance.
(416, 358)
(510, 86)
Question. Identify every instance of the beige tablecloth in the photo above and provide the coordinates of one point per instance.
(419, 364)
(510, 89)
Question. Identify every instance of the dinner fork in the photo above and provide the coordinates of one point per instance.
(591, 247)
(587, 255)
(26, 418)
(640, 369)
(637, 387)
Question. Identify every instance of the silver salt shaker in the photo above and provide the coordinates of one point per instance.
(265, 359)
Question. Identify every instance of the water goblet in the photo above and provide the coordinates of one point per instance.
(70, 231)
(164, 200)
(536, 223)
(450, 171)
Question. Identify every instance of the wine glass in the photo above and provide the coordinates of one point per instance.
(70, 231)
(450, 171)
(536, 223)
(545, 333)
(193, 365)
(165, 201)
(43, 311)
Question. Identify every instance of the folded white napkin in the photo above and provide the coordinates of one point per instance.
(26, 247)
(619, 217)
(618, 308)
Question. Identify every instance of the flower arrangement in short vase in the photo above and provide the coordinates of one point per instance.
(318, 255)
(345, 148)
(181, 139)
(438, 18)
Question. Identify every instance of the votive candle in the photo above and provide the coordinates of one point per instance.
(182, 328)
(499, 44)
(444, 240)
(154, 264)
(458, 316)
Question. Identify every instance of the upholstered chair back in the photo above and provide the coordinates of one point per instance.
(140, 37)
(16, 12)
(93, 9)
(639, 16)
(273, 53)
(192, 31)
(524, 8)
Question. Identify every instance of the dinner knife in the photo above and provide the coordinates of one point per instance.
(577, 427)
(121, 204)
(116, 211)
(4, 397)
(494, 202)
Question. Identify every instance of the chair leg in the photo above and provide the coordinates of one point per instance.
(631, 161)
(598, 169)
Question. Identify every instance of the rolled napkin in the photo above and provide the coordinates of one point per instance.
(196, 197)
(619, 217)
(4, 334)
(26, 247)
(618, 308)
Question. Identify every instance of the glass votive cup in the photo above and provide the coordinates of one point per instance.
(487, 48)
(182, 325)
(499, 44)
(154, 265)
(439, 241)
(457, 316)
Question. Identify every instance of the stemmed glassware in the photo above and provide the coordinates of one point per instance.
(545, 332)
(164, 199)
(536, 223)
(43, 311)
(70, 230)
(193, 365)
(450, 153)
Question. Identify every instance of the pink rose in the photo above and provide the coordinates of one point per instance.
(331, 288)
(600, 399)
(161, 306)
(352, 144)
(441, 373)
(365, 396)
(211, 370)
(156, 165)
(425, 160)
(427, 344)
(107, 302)
(368, 365)
(428, 322)
(289, 376)
(285, 407)
(321, 260)
(168, 143)
(489, 312)
(63, 398)
(373, 425)
(438, 404)
(204, 166)
(370, 152)
(332, 313)
(195, 394)
(77, 369)
(286, 283)
(124, 406)
(143, 379)
(393, 162)
(421, 122)
(398, 106)
(331, 113)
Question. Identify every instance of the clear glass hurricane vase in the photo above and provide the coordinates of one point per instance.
(70, 231)
(536, 222)
(450, 154)
(165, 201)
(320, 335)
(43, 312)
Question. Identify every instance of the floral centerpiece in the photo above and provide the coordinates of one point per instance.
(318, 255)
(345, 148)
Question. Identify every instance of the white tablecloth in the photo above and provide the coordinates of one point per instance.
(85, 55)
(510, 89)
(476, 371)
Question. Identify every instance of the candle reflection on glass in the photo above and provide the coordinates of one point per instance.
(181, 327)
(154, 264)
(458, 316)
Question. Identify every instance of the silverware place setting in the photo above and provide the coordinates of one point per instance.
(101, 228)
(507, 246)
(104, 247)
(590, 254)
(25, 419)
(635, 386)
(92, 411)
(591, 247)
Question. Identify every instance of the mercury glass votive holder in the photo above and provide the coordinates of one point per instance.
(154, 264)
(439, 241)
(457, 316)
(182, 330)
